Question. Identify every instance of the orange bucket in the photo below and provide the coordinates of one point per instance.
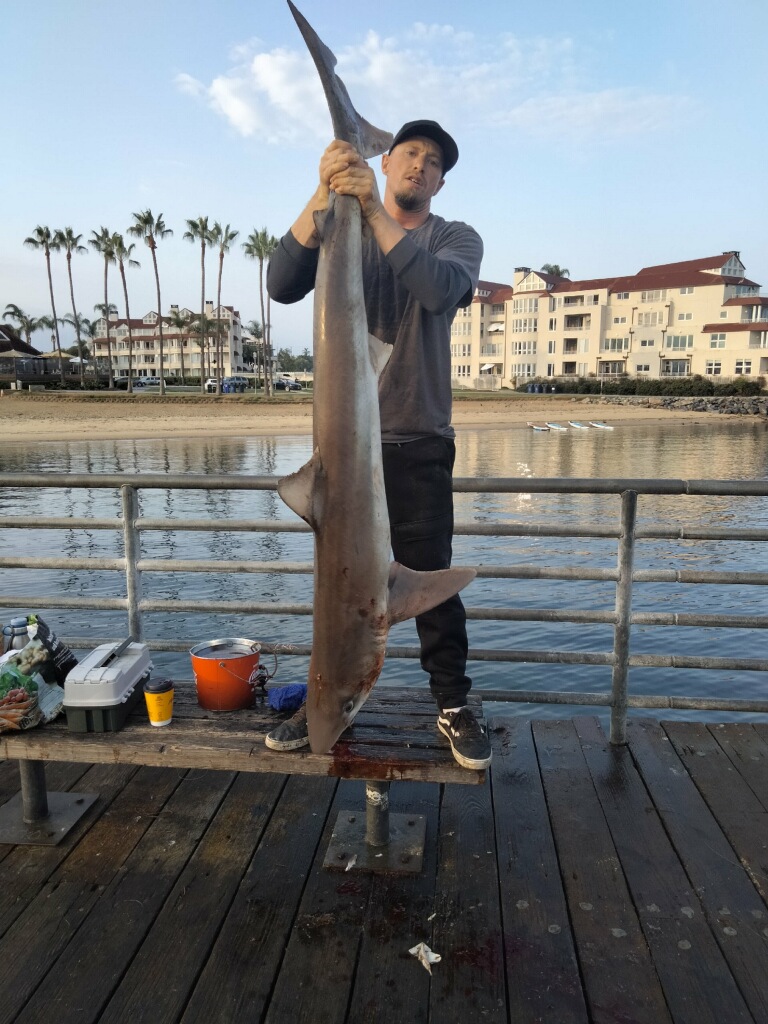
(225, 673)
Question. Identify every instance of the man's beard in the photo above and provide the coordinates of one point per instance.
(408, 201)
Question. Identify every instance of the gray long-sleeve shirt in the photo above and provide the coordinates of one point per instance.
(411, 297)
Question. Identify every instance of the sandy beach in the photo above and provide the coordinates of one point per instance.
(68, 417)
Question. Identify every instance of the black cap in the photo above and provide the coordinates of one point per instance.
(430, 130)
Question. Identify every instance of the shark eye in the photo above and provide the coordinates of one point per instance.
(349, 707)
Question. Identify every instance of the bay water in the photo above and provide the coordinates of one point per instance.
(713, 449)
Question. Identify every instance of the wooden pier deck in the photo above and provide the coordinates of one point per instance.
(580, 884)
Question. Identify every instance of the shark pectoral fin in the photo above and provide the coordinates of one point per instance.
(299, 489)
(379, 352)
(411, 592)
(372, 140)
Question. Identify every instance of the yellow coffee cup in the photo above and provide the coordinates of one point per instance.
(159, 697)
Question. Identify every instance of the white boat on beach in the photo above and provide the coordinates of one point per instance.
(577, 425)
(538, 426)
(602, 426)
(556, 426)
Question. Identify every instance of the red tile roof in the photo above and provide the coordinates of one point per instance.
(706, 263)
(747, 300)
(721, 328)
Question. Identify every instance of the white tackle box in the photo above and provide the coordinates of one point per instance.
(102, 689)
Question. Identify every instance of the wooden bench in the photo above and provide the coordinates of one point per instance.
(394, 737)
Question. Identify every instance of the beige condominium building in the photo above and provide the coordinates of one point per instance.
(674, 320)
(180, 347)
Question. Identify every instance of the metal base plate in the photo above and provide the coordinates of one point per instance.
(403, 855)
(64, 811)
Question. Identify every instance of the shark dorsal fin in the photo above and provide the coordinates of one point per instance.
(299, 490)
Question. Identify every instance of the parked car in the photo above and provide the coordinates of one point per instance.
(210, 385)
(122, 382)
(286, 384)
(151, 381)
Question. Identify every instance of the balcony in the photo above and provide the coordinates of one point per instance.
(577, 323)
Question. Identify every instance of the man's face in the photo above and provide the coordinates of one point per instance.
(414, 172)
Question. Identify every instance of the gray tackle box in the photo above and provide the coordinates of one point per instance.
(102, 690)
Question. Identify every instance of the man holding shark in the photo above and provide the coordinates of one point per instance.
(417, 270)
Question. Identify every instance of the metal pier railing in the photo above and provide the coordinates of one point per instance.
(625, 531)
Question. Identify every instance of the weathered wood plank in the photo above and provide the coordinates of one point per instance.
(730, 901)
(469, 983)
(742, 817)
(27, 868)
(86, 973)
(616, 965)
(318, 969)
(156, 986)
(697, 982)
(235, 741)
(51, 920)
(240, 972)
(748, 753)
(542, 972)
(398, 917)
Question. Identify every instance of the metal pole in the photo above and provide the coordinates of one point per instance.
(129, 497)
(34, 794)
(621, 631)
(377, 813)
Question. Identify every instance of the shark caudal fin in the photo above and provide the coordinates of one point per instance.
(411, 592)
(348, 125)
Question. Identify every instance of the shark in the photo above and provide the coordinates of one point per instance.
(358, 591)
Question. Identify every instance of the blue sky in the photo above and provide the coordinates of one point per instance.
(600, 136)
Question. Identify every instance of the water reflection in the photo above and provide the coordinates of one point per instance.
(714, 450)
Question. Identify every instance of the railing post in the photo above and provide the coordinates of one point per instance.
(621, 630)
(129, 497)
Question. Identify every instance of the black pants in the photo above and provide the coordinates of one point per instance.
(417, 477)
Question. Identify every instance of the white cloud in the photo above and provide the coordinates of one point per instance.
(539, 86)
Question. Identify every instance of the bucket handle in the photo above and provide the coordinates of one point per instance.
(258, 679)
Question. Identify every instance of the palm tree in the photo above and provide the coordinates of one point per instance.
(43, 238)
(202, 328)
(259, 246)
(223, 238)
(151, 229)
(82, 325)
(70, 243)
(26, 323)
(104, 243)
(180, 322)
(123, 255)
(199, 231)
(256, 332)
(555, 270)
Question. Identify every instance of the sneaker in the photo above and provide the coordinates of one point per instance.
(290, 734)
(469, 741)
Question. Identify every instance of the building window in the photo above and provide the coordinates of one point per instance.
(650, 319)
(525, 325)
(553, 323)
(551, 347)
(657, 295)
(647, 343)
(619, 319)
(550, 369)
(723, 314)
(523, 348)
(621, 295)
(520, 306)
(713, 367)
(680, 341)
(717, 341)
(643, 367)
(743, 366)
(685, 316)
(674, 367)
(687, 291)
(614, 345)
